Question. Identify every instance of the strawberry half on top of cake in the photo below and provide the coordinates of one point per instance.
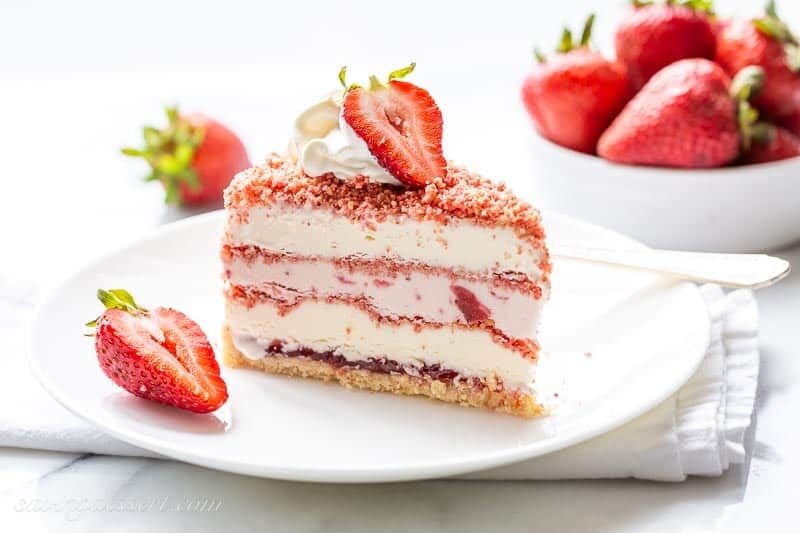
(364, 257)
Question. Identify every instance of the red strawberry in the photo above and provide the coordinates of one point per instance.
(194, 158)
(688, 115)
(160, 354)
(768, 43)
(401, 125)
(775, 144)
(654, 36)
(790, 121)
(573, 96)
(473, 309)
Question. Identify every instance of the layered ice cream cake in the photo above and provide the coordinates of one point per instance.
(363, 257)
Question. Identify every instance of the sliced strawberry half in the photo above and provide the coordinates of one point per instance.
(401, 125)
(159, 354)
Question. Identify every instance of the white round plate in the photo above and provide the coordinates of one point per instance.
(623, 340)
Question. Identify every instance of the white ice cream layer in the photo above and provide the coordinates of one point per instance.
(321, 233)
(351, 333)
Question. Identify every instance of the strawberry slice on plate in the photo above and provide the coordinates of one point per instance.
(400, 124)
(159, 354)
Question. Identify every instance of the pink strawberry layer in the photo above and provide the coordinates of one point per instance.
(415, 293)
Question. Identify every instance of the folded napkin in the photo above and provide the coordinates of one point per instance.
(698, 431)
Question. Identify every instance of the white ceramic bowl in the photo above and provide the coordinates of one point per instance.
(732, 209)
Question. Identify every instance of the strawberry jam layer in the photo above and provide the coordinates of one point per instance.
(380, 365)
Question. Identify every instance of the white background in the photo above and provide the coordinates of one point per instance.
(78, 79)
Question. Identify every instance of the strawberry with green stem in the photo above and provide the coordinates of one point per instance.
(768, 42)
(572, 96)
(158, 354)
(194, 157)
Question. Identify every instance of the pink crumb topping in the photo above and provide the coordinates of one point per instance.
(462, 195)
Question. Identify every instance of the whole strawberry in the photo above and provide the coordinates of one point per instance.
(574, 95)
(772, 144)
(159, 354)
(653, 36)
(194, 157)
(688, 115)
(400, 124)
(769, 43)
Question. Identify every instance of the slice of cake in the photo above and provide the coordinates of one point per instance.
(366, 259)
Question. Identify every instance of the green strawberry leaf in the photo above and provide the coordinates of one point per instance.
(172, 195)
(172, 114)
(773, 28)
(586, 34)
(770, 9)
(565, 43)
(168, 164)
(402, 72)
(704, 6)
(116, 299)
(374, 82)
(152, 138)
(771, 25)
(190, 178)
(745, 85)
(133, 152)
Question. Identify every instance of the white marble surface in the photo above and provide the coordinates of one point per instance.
(76, 82)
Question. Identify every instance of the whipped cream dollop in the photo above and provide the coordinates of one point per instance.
(323, 142)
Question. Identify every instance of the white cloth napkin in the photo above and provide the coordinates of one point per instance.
(698, 431)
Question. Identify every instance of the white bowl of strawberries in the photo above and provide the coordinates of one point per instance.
(688, 140)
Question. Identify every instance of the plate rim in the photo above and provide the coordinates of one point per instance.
(332, 474)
